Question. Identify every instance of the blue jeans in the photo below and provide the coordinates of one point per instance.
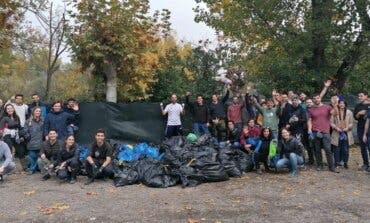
(72, 129)
(292, 162)
(33, 155)
(239, 126)
(341, 152)
(200, 128)
(364, 148)
(234, 145)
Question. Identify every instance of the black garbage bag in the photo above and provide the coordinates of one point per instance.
(125, 174)
(204, 140)
(153, 173)
(174, 141)
(227, 158)
(212, 171)
(190, 177)
(243, 161)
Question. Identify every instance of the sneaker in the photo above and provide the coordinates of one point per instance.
(334, 170)
(89, 181)
(45, 177)
(365, 168)
(30, 172)
(293, 174)
(319, 168)
(259, 171)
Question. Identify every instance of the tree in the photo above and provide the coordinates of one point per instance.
(117, 38)
(296, 42)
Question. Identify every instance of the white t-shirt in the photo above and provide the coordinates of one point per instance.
(174, 113)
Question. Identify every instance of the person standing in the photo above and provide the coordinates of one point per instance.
(366, 136)
(58, 119)
(218, 116)
(200, 113)
(34, 134)
(360, 115)
(234, 112)
(10, 129)
(319, 131)
(36, 102)
(270, 116)
(174, 111)
(99, 160)
(20, 108)
(70, 108)
(341, 136)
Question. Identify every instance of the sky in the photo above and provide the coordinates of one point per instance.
(182, 19)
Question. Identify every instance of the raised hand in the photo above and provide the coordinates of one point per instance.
(327, 83)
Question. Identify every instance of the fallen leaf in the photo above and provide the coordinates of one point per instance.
(58, 207)
(192, 221)
(28, 193)
(92, 193)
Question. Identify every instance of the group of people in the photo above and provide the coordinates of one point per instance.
(292, 123)
(42, 137)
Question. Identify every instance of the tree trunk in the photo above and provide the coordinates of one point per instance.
(48, 83)
(111, 83)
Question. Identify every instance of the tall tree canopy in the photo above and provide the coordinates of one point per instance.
(296, 42)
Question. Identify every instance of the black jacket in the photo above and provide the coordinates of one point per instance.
(68, 156)
(301, 114)
(51, 151)
(219, 110)
(200, 112)
(292, 145)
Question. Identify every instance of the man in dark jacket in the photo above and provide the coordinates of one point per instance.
(297, 119)
(218, 116)
(49, 154)
(36, 102)
(72, 125)
(200, 115)
(98, 162)
(360, 115)
(59, 119)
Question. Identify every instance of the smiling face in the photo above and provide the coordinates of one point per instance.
(362, 97)
(174, 98)
(57, 107)
(37, 113)
(266, 133)
(309, 103)
(100, 137)
(342, 105)
(35, 98)
(9, 109)
(19, 99)
(285, 134)
(70, 141)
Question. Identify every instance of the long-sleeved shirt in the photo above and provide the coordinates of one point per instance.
(270, 117)
(59, 121)
(51, 150)
(292, 145)
(5, 154)
(21, 110)
(67, 156)
(200, 112)
(234, 112)
(217, 110)
(361, 119)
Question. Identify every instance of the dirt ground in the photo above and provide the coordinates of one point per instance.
(272, 197)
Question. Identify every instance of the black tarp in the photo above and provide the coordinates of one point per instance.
(130, 123)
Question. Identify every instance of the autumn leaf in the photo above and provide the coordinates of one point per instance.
(29, 193)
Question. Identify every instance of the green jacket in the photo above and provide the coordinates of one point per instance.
(270, 117)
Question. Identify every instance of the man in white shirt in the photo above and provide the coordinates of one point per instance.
(20, 108)
(174, 111)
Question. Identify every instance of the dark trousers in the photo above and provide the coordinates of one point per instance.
(219, 130)
(325, 143)
(107, 171)
(261, 158)
(364, 148)
(65, 173)
(173, 130)
(341, 152)
(20, 149)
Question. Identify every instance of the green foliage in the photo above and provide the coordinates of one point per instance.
(293, 44)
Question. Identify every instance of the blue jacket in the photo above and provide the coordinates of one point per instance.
(59, 121)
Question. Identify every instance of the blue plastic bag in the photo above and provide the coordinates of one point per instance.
(84, 152)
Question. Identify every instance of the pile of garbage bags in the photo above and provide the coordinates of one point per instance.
(179, 161)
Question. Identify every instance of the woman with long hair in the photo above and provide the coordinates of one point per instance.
(341, 136)
(291, 152)
(261, 156)
(34, 133)
(10, 128)
(68, 163)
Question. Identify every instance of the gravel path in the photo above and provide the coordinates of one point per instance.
(311, 197)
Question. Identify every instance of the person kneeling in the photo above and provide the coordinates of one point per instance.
(291, 152)
(98, 162)
(6, 160)
(49, 154)
(68, 163)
